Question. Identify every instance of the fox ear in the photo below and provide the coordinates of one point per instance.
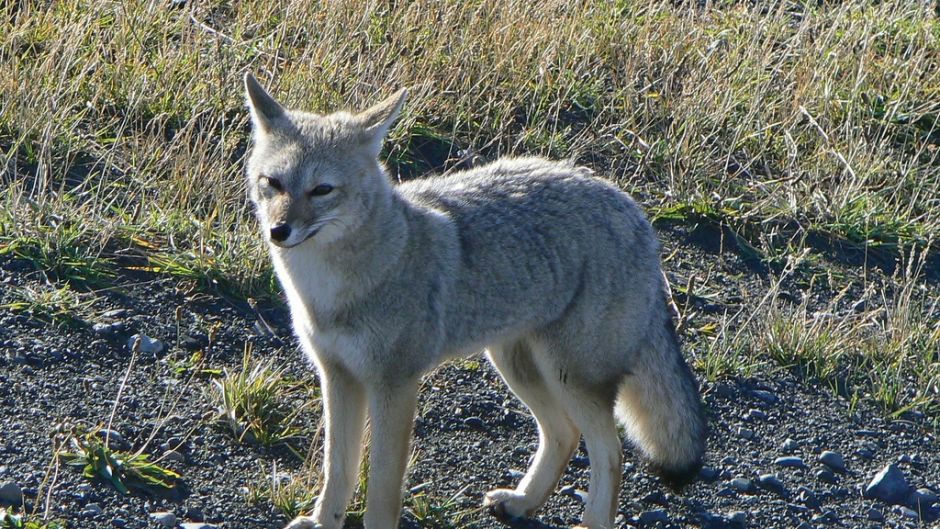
(376, 121)
(265, 111)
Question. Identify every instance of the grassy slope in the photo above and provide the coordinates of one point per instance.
(122, 131)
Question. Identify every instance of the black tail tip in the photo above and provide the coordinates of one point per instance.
(677, 477)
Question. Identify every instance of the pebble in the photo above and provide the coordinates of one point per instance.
(807, 497)
(91, 510)
(773, 484)
(789, 446)
(865, 453)
(166, 519)
(174, 456)
(826, 476)
(515, 474)
(474, 422)
(908, 513)
(745, 433)
(11, 494)
(889, 486)
(790, 462)
(197, 525)
(148, 345)
(765, 396)
(114, 314)
(654, 516)
(756, 415)
(875, 515)
(738, 519)
(743, 485)
(708, 474)
(114, 439)
(832, 460)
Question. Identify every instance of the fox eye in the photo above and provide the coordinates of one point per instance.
(274, 183)
(320, 190)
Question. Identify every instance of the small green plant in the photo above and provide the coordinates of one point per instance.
(291, 495)
(194, 364)
(123, 470)
(256, 403)
(432, 512)
(12, 520)
(53, 305)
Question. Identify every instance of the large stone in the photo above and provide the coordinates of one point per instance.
(889, 486)
(832, 460)
(148, 345)
(11, 494)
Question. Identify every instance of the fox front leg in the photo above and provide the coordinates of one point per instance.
(392, 412)
(344, 410)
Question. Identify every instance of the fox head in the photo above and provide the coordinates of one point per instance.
(314, 177)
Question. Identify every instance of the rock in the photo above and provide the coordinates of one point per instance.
(148, 345)
(653, 517)
(197, 525)
(765, 396)
(11, 494)
(174, 456)
(772, 483)
(789, 446)
(103, 329)
(875, 515)
(581, 462)
(807, 497)
(908, 513)
(826, 476)
(113, 438)
(515, 474)
(166, 519)
(790, 462)
(738, 520)
(832, 460)
(114, 314)
(756, 415)
(707, 474)
(91, 510)
(743, 485)
(745, 433)
(889, 486)
(194, 342)
(922, 499)
(474, 422)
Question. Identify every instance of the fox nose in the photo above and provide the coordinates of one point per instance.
(280, 233)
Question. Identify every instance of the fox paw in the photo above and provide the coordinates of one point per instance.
(302, 522)
(507, 504)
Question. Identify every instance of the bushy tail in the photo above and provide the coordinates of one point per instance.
(659, 405)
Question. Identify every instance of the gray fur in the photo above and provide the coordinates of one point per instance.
(556, 273)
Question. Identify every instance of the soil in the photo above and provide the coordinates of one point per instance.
(471, 434)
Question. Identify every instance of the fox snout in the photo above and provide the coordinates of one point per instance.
(280, 233)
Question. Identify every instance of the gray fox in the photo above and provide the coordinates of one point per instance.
(554, 273)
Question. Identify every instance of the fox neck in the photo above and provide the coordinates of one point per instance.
(321, 279)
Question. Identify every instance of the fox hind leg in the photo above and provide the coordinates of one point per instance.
(558, 436)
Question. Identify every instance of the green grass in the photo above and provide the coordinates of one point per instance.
(257, 404)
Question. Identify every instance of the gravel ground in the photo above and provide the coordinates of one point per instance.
(763, 468)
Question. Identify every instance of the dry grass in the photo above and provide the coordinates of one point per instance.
(122, 127)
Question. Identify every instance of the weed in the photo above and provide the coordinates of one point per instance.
(123, 470)
(49, 304)
(11, 520)
(289, 494)
(193, 365)
(256, 404)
